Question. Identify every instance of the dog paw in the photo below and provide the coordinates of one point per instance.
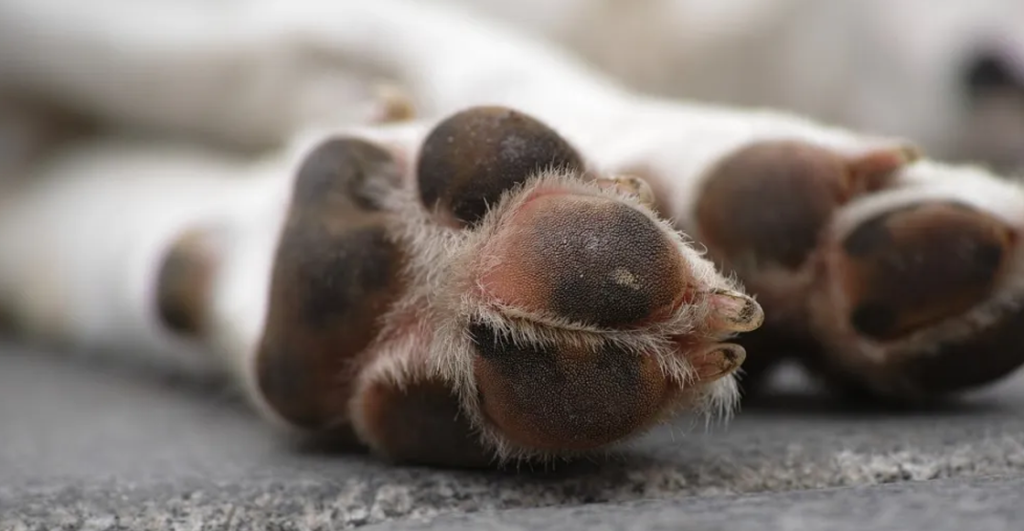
(884, 274)
(918, 292)
(505, 293)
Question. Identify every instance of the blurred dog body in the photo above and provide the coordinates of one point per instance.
(949, 75)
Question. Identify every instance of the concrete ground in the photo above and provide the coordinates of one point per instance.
(88, 447)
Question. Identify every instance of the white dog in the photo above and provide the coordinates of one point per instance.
(541, 263)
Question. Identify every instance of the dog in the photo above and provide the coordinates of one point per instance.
(509, 257)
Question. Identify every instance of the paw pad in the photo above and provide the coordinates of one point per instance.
(419, 422)
(768, 203)
(337, 271)
(183, 283)
(588, 259)
(565, 397)
(909, 268)
(470, 159)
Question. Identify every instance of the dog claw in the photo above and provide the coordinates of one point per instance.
(718, 361)
(737, 312)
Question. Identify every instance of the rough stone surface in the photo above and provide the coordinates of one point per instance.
(84, 446)
(943, 505)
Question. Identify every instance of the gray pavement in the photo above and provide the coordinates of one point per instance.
(941, 505)
(83, 446)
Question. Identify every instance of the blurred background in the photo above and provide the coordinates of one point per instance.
(947, 75)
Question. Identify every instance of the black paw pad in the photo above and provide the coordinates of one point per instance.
(328, 294)
(421, 423)
(912, 267)
(588, 259)
(768, 203)
(183, 284)
(470, 159)
(340, 172)
(565, 397)
(337, 272)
